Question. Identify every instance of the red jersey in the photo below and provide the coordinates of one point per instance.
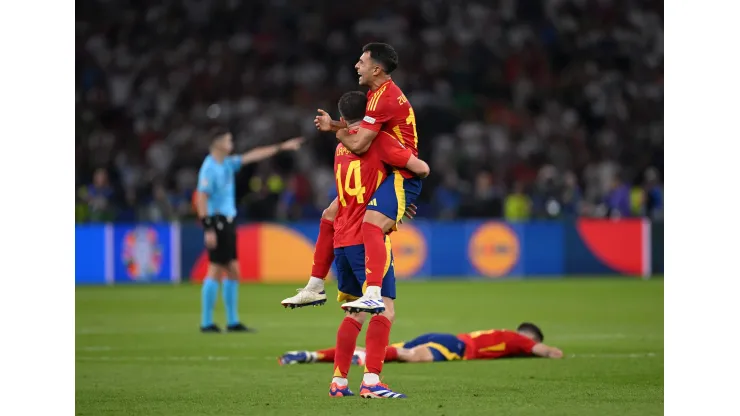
(357, 179)
(495, 343)
(388, 110)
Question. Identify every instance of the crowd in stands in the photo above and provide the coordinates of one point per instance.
(525, 108)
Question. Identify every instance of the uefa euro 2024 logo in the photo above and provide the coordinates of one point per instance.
(142, 253)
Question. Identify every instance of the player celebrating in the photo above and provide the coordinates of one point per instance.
(357, 178)
(527, 341)
(215, 202)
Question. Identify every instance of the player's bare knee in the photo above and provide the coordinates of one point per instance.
(390, 309)
(359, 317)
(379, 220)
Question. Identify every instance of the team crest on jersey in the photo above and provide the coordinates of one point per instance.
(368, 119)
(142, 253)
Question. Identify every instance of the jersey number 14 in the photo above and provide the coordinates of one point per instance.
(352, 185)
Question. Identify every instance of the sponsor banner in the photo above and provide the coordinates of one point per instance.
(91, 252)
(283, 253)
(143, 253)
(656, 246)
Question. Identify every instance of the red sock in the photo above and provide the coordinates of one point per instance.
(375, 254)
(376, 341)
(325, 356)
(346, 343)
(323, 254)
(391, 354)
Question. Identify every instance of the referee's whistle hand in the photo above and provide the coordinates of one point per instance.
(210, 239)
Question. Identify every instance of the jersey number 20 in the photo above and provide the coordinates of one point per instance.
(352, 185)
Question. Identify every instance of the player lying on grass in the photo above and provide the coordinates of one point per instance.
(526, 341)
(358, 177)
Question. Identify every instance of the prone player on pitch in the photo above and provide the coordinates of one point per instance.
(526, 341)
(357, 180)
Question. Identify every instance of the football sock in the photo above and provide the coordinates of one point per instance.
(230, 294)
(208, 296)
(347, 334)
(376, 341)
(375, 254)
(323, 254)
(325, 356)
(340, 380)
(315, 284)
(370, 379)
(391, 354)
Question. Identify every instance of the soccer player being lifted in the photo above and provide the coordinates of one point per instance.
(357, 180)
(215, 202)
(526, 341)
(388, 114)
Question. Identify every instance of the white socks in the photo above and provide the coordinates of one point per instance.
(315, 284)
(371, 378)
(373, 292)
(340, 381)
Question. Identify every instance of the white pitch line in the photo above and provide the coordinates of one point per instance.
(625, 355)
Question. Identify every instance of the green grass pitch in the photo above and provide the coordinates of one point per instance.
(139, 352)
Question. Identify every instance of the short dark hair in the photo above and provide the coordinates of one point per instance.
(384, 54)
(530, 327)
(216, 133)
(352, 106)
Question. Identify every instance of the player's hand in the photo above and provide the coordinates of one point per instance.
(292, 144)
(410, 213)
(556, 353)
(210, 239)
(322, 121)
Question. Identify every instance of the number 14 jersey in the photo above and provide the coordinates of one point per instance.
(357, 178)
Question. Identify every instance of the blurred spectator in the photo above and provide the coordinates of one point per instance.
(500, 88)
(447, 198)
(98, 197)
(570, 203)
(618, 200)
(517, 205)
(653, 195)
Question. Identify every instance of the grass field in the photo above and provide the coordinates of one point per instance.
(138, 352)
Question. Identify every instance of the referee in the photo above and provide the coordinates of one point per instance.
(216, 205)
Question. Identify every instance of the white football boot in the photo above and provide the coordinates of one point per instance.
(311, 295)
(371, 302)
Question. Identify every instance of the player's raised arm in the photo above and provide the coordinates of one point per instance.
(543, 350)
(266, 152)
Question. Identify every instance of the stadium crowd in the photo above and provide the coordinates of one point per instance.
(525, 108)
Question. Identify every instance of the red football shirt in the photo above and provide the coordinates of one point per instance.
(388, 110)
(495, 343)
(357, 178)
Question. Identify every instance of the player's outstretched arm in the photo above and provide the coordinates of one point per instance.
(542, 350)
(359, 142)
(266, 152)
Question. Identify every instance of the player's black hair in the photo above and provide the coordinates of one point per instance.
(216, 133)
(530, 327)
(352, 106)
(384, 54)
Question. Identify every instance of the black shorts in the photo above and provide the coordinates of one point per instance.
(225, 251)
